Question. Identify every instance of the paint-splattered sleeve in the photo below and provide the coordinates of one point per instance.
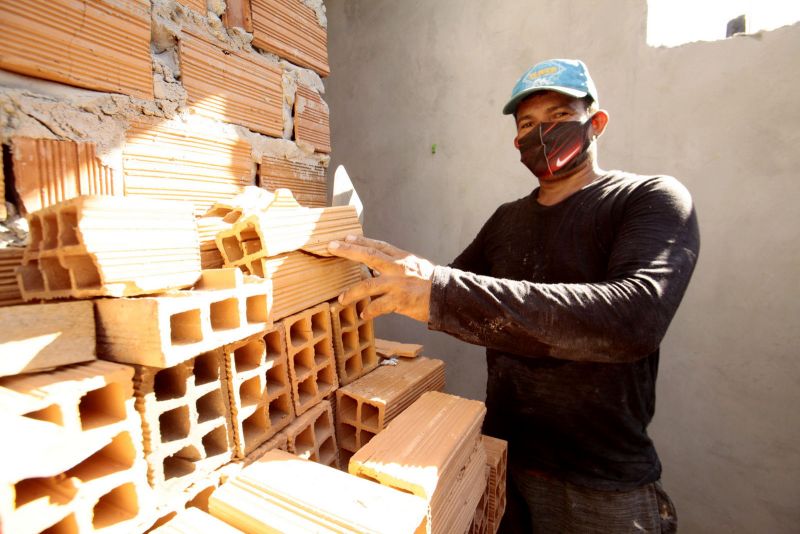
(622, 318)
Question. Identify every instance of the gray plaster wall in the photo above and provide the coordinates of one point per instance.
(721, 116)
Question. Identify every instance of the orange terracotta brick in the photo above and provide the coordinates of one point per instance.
(259, 390)
(389, 349)
(496, 462)
(231, 86)
(3, 210)
(353, 341)
(75, 463)
(312, 366)
(47, 172)
(186, 421)
(69, 41)
(312, 437)
(366, 406)
(284, 493)
(168, 160)
(307, 182)
(238, 14)
(311, 120)
(290, 29)
(196, 5)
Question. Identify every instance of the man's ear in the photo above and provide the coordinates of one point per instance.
(516, 142)
(599, 122)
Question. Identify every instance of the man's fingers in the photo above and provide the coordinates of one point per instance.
(366, 288)
(369, 256)
(379, 306)
(383, 246)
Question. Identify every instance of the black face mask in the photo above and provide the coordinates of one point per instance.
(555, 148)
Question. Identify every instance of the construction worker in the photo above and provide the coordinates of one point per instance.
(571, 290)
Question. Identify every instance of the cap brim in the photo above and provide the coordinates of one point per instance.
(512, 104)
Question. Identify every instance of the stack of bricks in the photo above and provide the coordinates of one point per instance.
(441, 433)
(166, 329)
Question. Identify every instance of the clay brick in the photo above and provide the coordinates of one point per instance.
(353, 341)
(283, 493)
(366, 406)
(312, 120)
(301, 280)
(193, 520)
(312, 436)
(68, 41)
(258, 384)
(186, 421)
(109, 246)
(285, 228)
(164, 330)
(307, 182)
(44, 336)
(279, 441)
(497, 462)
(389, 349)
(75, 460)
(290, 29)
(172, 161)
(480, 520)
(196, 5)
(238, 15)
(47, 172)
(441, 432)
(312, 365)
(10, 259)
(231, 86)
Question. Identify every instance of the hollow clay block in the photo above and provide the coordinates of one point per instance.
(283, 493)
(353, 341)
(75, 461)
(186, 419)
(259, 390)
(366, 406)
(164, 330)
(116, 246)
(312, 365)
(43, 336)
(311, 436)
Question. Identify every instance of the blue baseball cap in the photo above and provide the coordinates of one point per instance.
(568, 76)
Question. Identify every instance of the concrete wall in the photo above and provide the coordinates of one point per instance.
(721, 116)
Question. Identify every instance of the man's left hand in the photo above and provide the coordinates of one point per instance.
(403, 285)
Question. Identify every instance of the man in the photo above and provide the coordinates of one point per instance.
(571, 290)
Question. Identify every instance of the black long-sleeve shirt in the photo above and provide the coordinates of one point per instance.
(571, 302)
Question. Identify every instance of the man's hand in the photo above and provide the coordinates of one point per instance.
(403, 285)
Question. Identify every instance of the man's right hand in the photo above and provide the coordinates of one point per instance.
(403, 284)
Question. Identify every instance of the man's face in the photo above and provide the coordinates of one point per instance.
(547, 106)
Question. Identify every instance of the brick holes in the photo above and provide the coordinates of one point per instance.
(84, 272)
(206, 368)
(327, 451)
(102, 407)
(323, 352)
(174, 424)
(365, 436)
(303, 362)
(210, 406)
(169, 384)
(233, 249)
(300, 332)
(58, 490)
(347, 408)
(51, 414)
(347, 318)
(116, 506)
(32, 277)
(68, 234)
(68, 525)
(250, 392)
(350, 341)
(327, 377)
(249, 356)
(304, 443)
(320, 323)
(50, 231)
(225, 314)
(55, 274)
(370, 416)
(279, 409)
(257, 309)
(36, 233)
(307, 390)
(117, 456)
(185, 327)
(276, 377)
(216, 442)
(347, 436)
(181, 463)
(254, 426)
(352, 366)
